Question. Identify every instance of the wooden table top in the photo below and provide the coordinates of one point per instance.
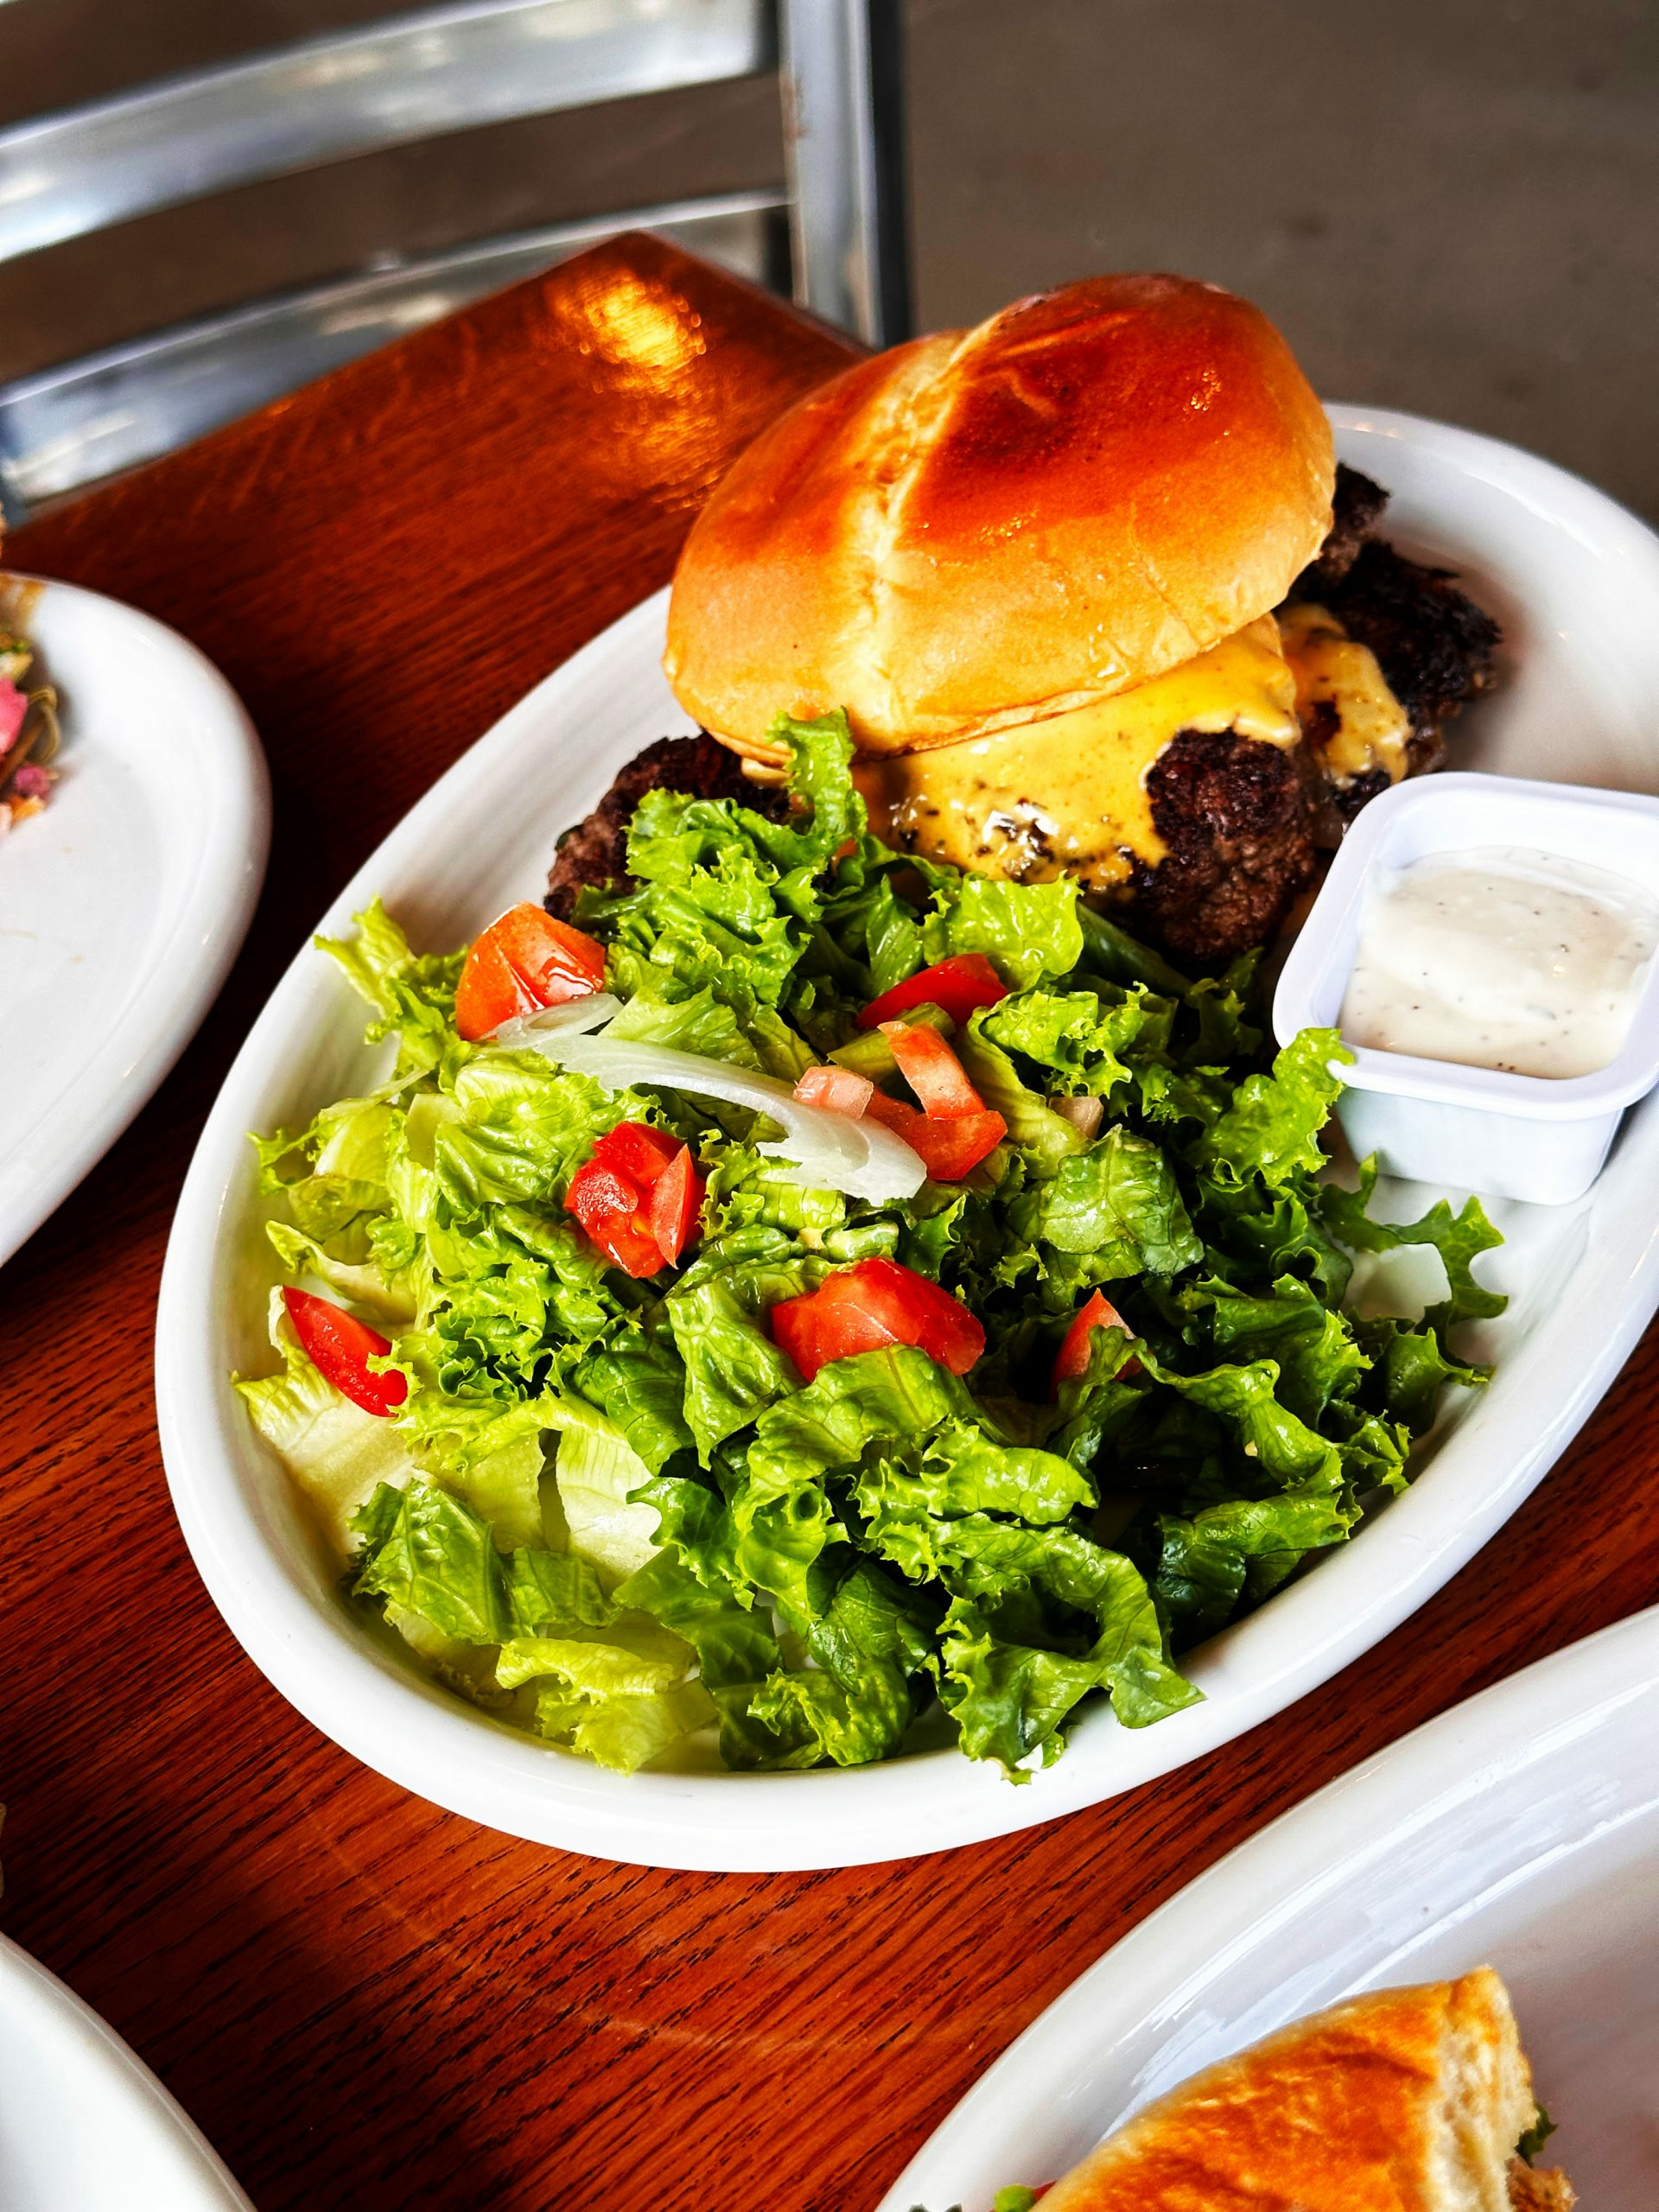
(363, 2000)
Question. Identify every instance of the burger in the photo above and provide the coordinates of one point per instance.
(1403, 2101)
(1095, 600)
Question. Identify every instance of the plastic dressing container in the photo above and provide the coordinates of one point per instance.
(1519, 1136)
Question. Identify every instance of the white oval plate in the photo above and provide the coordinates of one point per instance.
(123, 905)
(85, 2126)
(1577, 580)
(1520, 1830)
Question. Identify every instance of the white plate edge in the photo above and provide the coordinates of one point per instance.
(195, 2155)
(136, 1056)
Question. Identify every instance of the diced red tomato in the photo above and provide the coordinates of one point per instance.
(838, 1090)
(526, 959)
(1097, 1311)
(637, 1196)
(611, 1221)
(960, 985)
(638, 1151)
(615, 1216)
(951, 1145)
(557, 961)
(340, 1347)
(931, 1069)
(874, 1303)
(489, 993)
(676, 1200)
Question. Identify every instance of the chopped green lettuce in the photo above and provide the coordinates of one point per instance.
(612, 1511)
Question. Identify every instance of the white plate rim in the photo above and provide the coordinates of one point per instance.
(1499, 1732)
(129, 1063)
(192, 2161)
(425, 1740)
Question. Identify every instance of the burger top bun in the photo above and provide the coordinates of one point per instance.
(986, 528)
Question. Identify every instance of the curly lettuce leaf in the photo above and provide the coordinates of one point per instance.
(1082, 1040)
(1459, 1238)
(930, 1480)
(871, 1640)
(1027, 930)
(600, 1481)
(735, 1646)
(614, 1684)
(430, 1554)
(1010, 1698)
(1209, 1564)
(1412, 1369)
(413, 994)
(1320, 1362)
(1271, 1130)
(623, 1696)
(549, 1591)
(1118, 1203)
(1285, 1449)
(733, 1371)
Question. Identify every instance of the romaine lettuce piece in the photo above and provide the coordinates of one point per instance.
(598, 1479)
(1272, 1127)
(1118, 1203)
(338, 1455)
(717, 1310)
(1027, 930)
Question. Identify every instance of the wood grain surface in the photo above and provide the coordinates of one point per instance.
(362, 2000)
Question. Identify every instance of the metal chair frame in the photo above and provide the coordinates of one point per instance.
(437, 70)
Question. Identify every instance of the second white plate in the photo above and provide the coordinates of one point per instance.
(1576, 580)
(1519, 1831)
(123, 905)
(85, 2126)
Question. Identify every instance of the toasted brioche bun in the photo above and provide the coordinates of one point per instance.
(987, 528)
(1406, 2101)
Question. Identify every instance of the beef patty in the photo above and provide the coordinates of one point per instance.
(1243, 820)
(1434, 646)
(596, 851)
(1235, 815)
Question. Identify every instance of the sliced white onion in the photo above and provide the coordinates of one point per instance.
(524, 1031)
(826, 1151)
(1085, 1114)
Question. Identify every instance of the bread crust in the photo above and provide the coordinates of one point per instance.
(1403, 2100)
(984, 528)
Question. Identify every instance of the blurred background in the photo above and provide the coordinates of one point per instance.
(1448, 205)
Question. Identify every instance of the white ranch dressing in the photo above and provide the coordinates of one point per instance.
(1503, 958)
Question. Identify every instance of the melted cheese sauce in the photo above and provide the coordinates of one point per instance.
(1503, 958)
(1070, 794)
(1335, 671)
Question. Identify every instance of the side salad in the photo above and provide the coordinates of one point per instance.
(819, 1303)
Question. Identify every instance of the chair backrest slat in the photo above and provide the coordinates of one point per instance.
(440, 69)
(843, 135)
